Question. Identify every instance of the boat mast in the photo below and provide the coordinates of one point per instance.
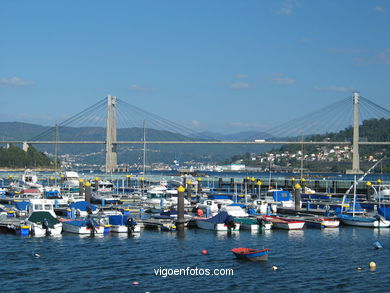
(144, 159)
(354, 195)
(302, 157)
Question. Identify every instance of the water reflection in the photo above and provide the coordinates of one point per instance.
(123, 236)
(295, 234)
(381, 232)
(331, 232)
(221, 235)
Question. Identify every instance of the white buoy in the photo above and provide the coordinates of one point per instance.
(36, 255)
(372, 265)
(274, 268)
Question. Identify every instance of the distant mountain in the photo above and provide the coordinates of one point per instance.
(130, 153)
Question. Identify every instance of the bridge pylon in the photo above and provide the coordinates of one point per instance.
(111, 155)
(355, 142)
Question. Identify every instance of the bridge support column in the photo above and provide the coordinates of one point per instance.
(111, 155)
(355, 147)
(25, 146)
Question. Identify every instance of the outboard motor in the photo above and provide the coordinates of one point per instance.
(229, 222)
(91, 226)
(88, 210)
(45, 226)
(130, 223)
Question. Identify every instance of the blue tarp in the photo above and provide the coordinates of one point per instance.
(221, 218)
(281, 195)
(237, 204)
(82, 205)
(219, 196)
(52, 193)
(117, 220)
(22, 205)
(82, 223)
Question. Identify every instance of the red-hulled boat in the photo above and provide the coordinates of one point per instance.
(251, 254)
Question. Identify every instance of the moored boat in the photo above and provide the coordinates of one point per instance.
(322, 222)
(220, 222)
(253, 224)
(285, 223)
(82, 226)
(251, 254)
(376, 221)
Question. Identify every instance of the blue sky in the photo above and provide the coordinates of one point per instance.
(216, 65)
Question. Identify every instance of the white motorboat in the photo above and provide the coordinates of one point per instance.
(83, 226)
(221, 222)
(42, 219)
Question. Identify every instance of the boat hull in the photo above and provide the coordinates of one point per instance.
(369, 222)
(38, 231)
(123, 229)
(75, 229)
(285, 224)
(202, 224)
(322, 223)
(251, 254)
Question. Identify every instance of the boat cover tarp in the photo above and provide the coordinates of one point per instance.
(81, 223)
(221, 218)
(52, 193)
(281, 195)
(117, 220)
(22, 205)
(38, 217)
(237, 205)
(82, 205)
(219, 196)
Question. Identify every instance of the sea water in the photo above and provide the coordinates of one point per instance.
(329, 260)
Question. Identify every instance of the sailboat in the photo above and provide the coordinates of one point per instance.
(358, 216)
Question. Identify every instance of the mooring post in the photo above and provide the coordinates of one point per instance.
(189, 186)
(96, 184)
(303, 185)
(258, 183)
(81, 188)
(297, 193)
(180, 208)
(128, 181)
(199, 186)
(51, 181)
(88, 192)
(368, 190)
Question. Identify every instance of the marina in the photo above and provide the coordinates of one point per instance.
(195, 146)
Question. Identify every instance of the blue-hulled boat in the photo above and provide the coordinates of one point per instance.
(385, 212)
(251, 254)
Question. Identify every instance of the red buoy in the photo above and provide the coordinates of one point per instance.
(135, 283)
(204, 251)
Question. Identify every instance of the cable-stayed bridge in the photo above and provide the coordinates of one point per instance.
(112, 117)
